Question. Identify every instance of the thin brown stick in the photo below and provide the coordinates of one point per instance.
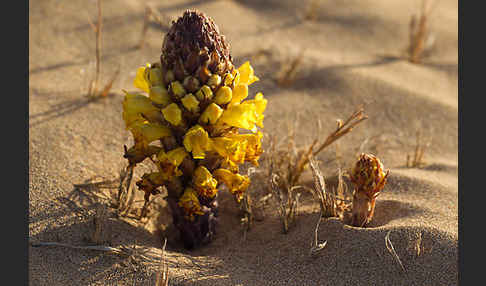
(98, 29)
(341, 130)
(391, 249)
(163, 273)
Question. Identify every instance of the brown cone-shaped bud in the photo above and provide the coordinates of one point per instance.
(194, 40)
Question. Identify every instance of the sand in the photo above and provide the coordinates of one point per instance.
(352, 56)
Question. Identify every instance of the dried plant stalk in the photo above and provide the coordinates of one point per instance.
(418, 154)
(163, 273)
(342, 129)
(419, 34)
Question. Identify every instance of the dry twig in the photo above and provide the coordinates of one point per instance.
(94, 89)
(391, 249)
(316, 246)
(163, 273)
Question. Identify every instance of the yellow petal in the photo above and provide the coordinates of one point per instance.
(177, 89)
(204, 93)
(170, 161)
(260, 105)
(197, 141)
(247, 74)
(134, 105)
(159, 95)
(211, 114)
(190, 203)
(154, 76)
(236, 183)
(172, 114)
(190, 102)
(145, 132)
(204, 183)
(241, 115)
(230, 148)
(240, 92)
(223, 95)
(140, 80)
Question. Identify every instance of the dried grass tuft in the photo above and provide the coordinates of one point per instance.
(285, 166)
(417, 161)
(392, 251)
(311, 10)
(421, 41)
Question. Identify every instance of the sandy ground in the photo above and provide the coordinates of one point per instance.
(351, 57)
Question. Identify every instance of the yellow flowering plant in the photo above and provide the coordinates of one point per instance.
(194, 103)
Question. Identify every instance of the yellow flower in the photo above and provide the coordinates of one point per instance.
(144, 132)
(141, 80)
(204, 93)
(197, 141)
(170, 161)
(247, 74)
(159, 95)
(190, 203)
(260, 105)
(190, 102)
(253, 146)
(236, 183)
(240, 92)
(172, 114)
(134, 105)
(204, 182)
(211, 114)
(230, 148)
(154, 76)
(223, 95)
(246, 114)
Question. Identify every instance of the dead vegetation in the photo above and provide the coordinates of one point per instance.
(417, 160)
(288, 69)
(94, 90)
(421, 40)
(285, 167)
(311, 10)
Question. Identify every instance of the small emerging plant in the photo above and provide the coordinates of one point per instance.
(369, 178)
(287, 165)
(189, 123)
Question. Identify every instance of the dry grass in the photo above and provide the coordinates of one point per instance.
(94, 90)
(163, 273)
(288, 70)
(311, 10)
(418, 155)
(421, 40)
(285, 167)
(392, 251)
(315, 245)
